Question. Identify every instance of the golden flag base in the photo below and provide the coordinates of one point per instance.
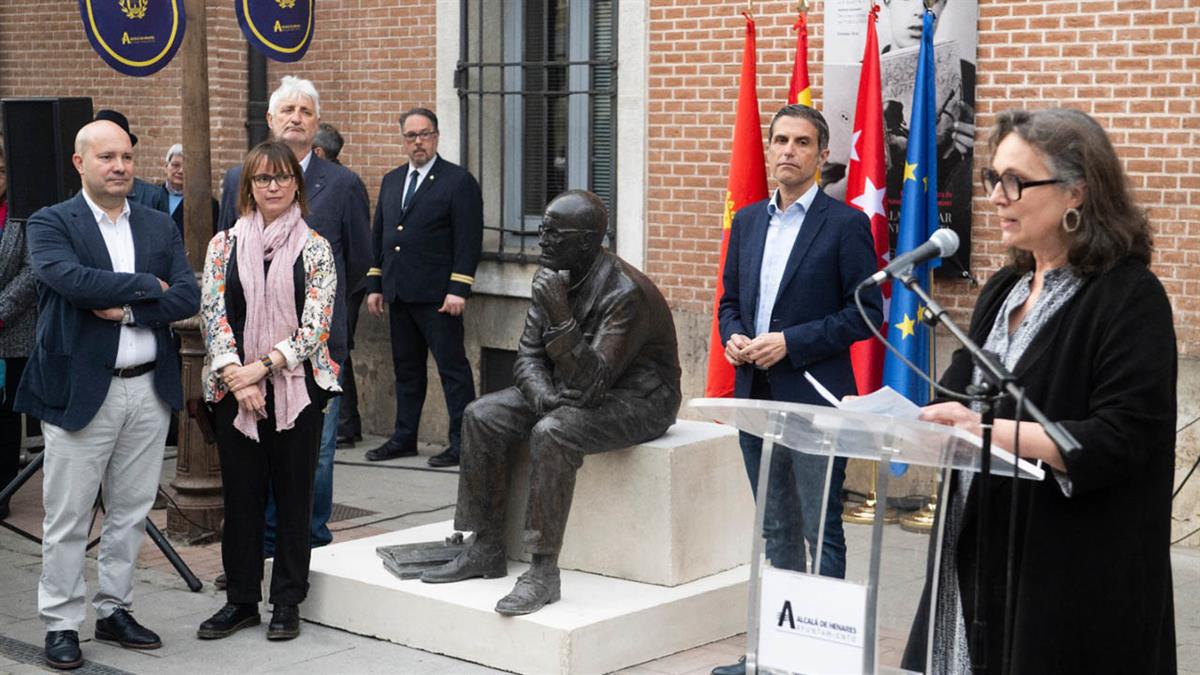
(921, 520)
(864, 514)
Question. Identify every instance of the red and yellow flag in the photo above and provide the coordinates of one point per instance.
(800, 91)
(865, 188)
(747, 184)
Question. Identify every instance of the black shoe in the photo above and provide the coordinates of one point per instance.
(345, 442)
(285, 623)
(447, 457)
(228, 620)
(390, 451)
(738, 668)
(124, 630)
(471, 563)
(62, 649)
(533, 591)
(221, 582)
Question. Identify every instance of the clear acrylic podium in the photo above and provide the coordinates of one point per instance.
(840, 635)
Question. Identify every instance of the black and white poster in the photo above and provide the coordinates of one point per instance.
(955, 41)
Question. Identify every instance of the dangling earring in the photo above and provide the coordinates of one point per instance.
(1071, 220)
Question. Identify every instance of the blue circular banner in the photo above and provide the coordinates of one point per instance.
(134, 37)
(280, 29)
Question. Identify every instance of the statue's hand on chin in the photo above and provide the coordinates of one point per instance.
(549, 292)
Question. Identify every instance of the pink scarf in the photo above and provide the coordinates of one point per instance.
(271, 309)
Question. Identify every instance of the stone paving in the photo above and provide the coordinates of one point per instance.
(403, 496)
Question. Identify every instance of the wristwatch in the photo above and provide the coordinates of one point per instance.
(126, 315)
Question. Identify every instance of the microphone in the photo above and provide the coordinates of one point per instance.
(943, 242)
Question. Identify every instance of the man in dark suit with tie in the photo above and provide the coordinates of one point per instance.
(791, 268)
(426, 238)
(103, 378)
(339, 211)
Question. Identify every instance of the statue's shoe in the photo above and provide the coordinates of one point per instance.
(471, 563)
(534, 590)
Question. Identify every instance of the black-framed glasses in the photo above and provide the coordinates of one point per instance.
(423, 135)
(1012, 184)
(263, 180)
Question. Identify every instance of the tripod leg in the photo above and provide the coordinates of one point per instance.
(180, 566)
(26, 473)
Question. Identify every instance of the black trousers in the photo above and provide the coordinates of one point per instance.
(349, 421)
(418, 329)
(10, 423)
(284, 462)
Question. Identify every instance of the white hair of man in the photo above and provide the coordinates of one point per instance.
(176, 149)
(289, 88)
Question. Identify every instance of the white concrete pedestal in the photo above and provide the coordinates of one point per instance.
(601, 624)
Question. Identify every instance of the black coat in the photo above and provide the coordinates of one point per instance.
(429, 248)
(1093, 571)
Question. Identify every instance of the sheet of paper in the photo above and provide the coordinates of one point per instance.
(885, 401)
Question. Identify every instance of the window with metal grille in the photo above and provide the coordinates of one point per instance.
(537, 88)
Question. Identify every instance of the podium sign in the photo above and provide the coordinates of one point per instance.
(851, 645)
(811, 624)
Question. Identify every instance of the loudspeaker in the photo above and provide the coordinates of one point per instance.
(39, 139)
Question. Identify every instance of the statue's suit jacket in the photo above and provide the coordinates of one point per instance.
(71, 367)
(815, 307)
(338, 210)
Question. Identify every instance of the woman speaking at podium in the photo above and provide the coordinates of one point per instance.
(1086, 327)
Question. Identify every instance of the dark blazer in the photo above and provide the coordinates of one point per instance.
(18, 293)
(71, 366)
(430, 249)
(815, 307)
(1093, 570)
(339, 211)
(148, 194)
(177, 215)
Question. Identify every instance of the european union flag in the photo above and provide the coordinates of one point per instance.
(918, 220)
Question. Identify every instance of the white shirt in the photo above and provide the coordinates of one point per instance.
(422, 171)
(782, 231)
(136, 346)
(305, 162)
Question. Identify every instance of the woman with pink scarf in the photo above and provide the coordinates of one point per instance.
(266, 302)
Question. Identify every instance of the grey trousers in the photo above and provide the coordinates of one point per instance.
(121, 450)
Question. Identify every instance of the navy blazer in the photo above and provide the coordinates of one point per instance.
(339, 211)
(71, 367)
(177, 214)
(815, 307)
(432, 247)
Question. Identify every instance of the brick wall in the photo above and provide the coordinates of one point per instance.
(1131, 64)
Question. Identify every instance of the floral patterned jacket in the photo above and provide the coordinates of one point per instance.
(308, 342)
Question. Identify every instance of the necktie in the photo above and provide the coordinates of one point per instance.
(412, 188)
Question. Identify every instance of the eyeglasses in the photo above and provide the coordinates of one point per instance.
(423, 135)
(1013, 185)
(555, 234)
(263, 180)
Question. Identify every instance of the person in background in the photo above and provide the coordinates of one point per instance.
(173, 188)
(18, 319)
(269, 284)
(328, 142)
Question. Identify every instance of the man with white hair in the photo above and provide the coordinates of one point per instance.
(172, 189)
(103, 378)
(338, 210)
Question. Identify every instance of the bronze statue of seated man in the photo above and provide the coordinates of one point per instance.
(597, 369)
